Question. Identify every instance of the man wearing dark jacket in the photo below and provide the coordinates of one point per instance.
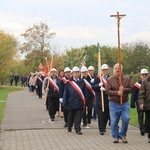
(134, 100)
(62, 85)
(39, 83)
(90, 97)
(74, 100)
(98, 85)
(144, 103)
(52, 87)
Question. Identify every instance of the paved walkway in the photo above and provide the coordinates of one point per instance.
(26, 126)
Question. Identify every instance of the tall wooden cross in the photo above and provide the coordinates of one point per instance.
(119, 16)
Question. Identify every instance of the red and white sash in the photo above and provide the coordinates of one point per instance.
(77, 88)
(104, 81)
(88, 85)
(64, 80)
(138, 85)
(40, 79)
(53, 84)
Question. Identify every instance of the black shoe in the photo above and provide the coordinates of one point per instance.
(101, 133)
(84, 125)
(142, 133)
(66, 125)
(52, 119)
(89, 121)
(69, 130)
(104, 130)
(79, 132)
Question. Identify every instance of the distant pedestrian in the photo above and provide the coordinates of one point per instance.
(23, 81)
(11, 79)
(16, 79)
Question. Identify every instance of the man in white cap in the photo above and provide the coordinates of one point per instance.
(74, 100)
(100, 84)
(134, 100)
(52, 87)
(63, 82)
(144, 103)
(91, 71)
(89, 96)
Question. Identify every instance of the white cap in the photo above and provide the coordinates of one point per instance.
(104, 66)
(53, 69)
(84, 69)
(75, 69)
(91, 68)
(144, 71)
(67, 69)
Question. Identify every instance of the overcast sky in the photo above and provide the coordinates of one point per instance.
(79, 22)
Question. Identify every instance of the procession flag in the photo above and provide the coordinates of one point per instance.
(46, 68)
(52, 63)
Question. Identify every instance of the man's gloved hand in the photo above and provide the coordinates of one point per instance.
(132, 105)
(102, 88)
(61, 100)
(92, 81)
(100, 84)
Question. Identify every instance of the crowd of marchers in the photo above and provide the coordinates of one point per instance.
(78, 95)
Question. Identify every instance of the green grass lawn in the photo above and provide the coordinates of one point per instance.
(4, 91)
(133, 117)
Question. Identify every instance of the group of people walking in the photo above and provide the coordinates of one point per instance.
(78, 90)
(16, 78)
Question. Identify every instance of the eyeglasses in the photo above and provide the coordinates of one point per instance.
(144, 74)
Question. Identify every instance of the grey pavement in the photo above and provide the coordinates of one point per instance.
(26, 126)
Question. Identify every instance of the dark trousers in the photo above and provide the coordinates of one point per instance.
(141, 120)
(74, 117)
(52, 106)
(95, 112)
(31, 88)
(40, 91)
(147, 124)
(87, 114)
(65, 110)
(103, 118)
(11, 82)
(16, 83)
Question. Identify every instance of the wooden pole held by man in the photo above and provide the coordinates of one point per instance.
(119, 16)
(99, 72)
(51, 66)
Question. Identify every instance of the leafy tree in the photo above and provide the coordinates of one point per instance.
(37, 45)
(8, 52)
(73, 57)
(137, 56)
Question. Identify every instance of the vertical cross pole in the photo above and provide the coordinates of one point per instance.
(119, 16)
